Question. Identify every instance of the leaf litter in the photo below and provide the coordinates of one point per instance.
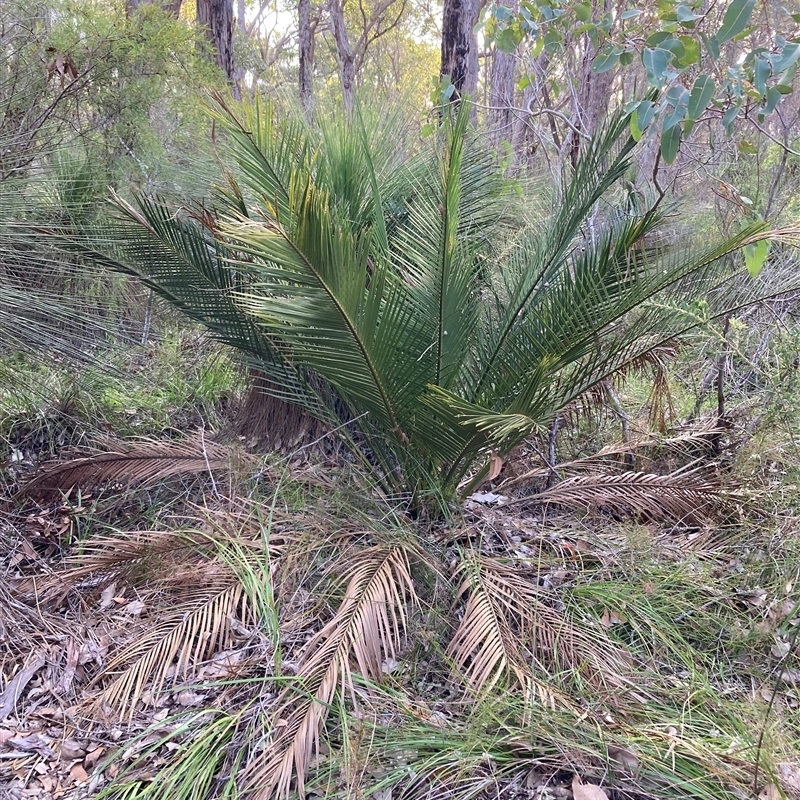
(62, 738)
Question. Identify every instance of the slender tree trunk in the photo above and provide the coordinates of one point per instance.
(523, 141)
(593, 93)
(172, 7)
(306, 42)
(501, 95)
(344, 54)
(459, 46)
(502, 91)
(215, 17)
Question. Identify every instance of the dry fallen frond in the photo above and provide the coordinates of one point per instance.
(141, 463)
(368, 625)
(129, 554)
(683, 497)
(509, 631)
(684, 445)
(177, 641)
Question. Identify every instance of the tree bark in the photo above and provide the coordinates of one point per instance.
(172, 7)
(266, 423)
(524, 141)
(593, 96)
(459, 46)
(344, 54)
(306, 42)
(215, 17)
(502, 91)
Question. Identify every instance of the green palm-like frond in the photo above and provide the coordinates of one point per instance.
(392, 295)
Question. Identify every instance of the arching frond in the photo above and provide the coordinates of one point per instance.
(368, 627)
(509, 632)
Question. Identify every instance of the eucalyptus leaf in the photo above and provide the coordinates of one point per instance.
(761, 73)
(728, 118)
(755, 256)
(607, 59)
(670, 144)
(656, 62)
(701, 95)
(691, 53)
(788, 57)
(685, 14)
(737, 15)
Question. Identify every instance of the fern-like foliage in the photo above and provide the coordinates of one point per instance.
(512, 632)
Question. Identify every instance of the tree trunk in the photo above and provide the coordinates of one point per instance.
(344, 54)
(501, 95)
(306, 42)
(593, 96)
(172, 7)
(459, 46)
(524, 141)
(215, 17)
(502, 91)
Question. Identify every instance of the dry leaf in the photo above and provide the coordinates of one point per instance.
(624, 759)
(587, 791)
(495, 465)
(33, 744)
(189, 698)
(70, 750)
(107, 596)
(488, 498)
(78, 773)
(134, 608)
(91, 758)
(770, 792)
(780, 649)
(610, 618)
(790, 775)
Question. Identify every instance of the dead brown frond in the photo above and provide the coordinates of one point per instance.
(177, 640)
(498, 619)
(682, 497)
(141, 463)
(511, 630)
(368, 626)
(120, 555)
(656, 361)
(685, 445)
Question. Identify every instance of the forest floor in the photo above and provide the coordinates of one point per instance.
(136, 654)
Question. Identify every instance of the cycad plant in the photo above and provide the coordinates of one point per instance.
(392, 298)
